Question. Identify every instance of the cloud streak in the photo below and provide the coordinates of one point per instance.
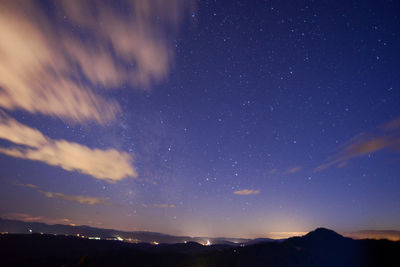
(26, 185)
(294, 170)
(164, 206)
(245, 192)
(104, 164)
(375, 234)
(79, 199)
(387, 138)
(46, 68)
(35, 73)
(74, 198)
(31, 218)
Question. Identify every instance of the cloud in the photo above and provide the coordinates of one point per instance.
(23, 217)
(364, 144)
(47, 67)
(34, 71)
(273, 171)
(31, 218)
(104, 164)
(294, 170)
(375, 234)
(164, 206)
(79, 199)
(26, 185)
(392, 125)
(245, 192)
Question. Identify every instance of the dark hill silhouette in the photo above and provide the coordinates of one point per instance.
(323, 233)
(328, 248)
(321, 247)
(21, 227)
(320, 238)
(262, 240)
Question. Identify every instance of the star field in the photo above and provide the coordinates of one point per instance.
(235, 118)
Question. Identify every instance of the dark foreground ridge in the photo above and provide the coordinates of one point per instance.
(321, 247)
(21, 227)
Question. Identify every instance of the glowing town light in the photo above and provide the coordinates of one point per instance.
(30, 230)
(119, 238)
(208, 243)
(155, 243)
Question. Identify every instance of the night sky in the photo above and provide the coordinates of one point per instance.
(214, 118)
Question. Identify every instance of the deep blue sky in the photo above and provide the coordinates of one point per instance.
(270, 116)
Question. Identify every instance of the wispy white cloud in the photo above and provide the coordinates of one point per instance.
(79, 199)
(34, 70)
(47, 68)
(105, 164)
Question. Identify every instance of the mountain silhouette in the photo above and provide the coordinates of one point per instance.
(321, 247)
(22, 227)
(323, 233)
(320, 236)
